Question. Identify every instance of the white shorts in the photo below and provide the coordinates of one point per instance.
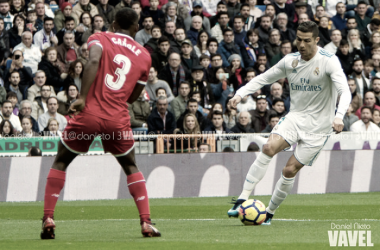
(308, 145)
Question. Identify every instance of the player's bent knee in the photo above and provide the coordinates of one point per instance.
(289, 171)
(268, 150)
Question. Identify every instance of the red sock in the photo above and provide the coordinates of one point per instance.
(137, 188)
(54, 185)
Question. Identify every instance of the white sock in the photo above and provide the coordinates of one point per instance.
(282, 189)
(255, 173)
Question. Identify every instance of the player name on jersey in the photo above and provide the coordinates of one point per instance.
(123, 42)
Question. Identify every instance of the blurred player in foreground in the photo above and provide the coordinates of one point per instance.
(115, 74)
(315, 79)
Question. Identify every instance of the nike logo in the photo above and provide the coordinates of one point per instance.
(55, 195)
(140, 198)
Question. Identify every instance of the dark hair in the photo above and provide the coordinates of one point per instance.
(31, 12)
(216, 112)
(195, 92)
(67, 90)
(228, 150)
(184, 31)
(262, 54)
(375, 21)
(199, 38)
(163, 39)
(145, 17)
(343, 42)
(135, 2)
(2, 124)
(319, 6)
(69, 19)
(273, 115)
(227, 111)
(11, 94)
(221, 3)
(48, 19)
(265, 15)
(209, 116)
(214, 55)
(51, 97)
(210, 40)
(228, 29)
(126, 17)
(267, 7)
(85, 12)
(10, 74)
(366, 107)
(252, 147)
(222, 13)
(253, 31)
(239, 17)
(203, 56)
(14, 22)
(35, 151)
(362, 2)
(244, 5)
(159, 89)
(309, 26)
(46, 85)
(276, 100)
(184, 82)
(98, 15)
(285, 42)
(29, 118)
(192, 100)
(156, 27)
(351, 17)
(71, 71)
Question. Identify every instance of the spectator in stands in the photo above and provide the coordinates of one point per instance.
(53, 68)
(84, 54)
(264, 28)
(300, 10)
(208, 92)
(233, 7)
(26, 124)
(212, 45)
(12, 96)
(34, 24)
(361, 17)
(17, 6)
(32, 54)
(18, 65)
(324, 31)
(345, 57)
(153, 11)
(239, 32)
(36, 89)
(349, 118)
(217, 124)
(236, 71)
(376, 117)
(34, 151)
(69, 26)
(276, 91)
(188, 59)
(216, 63)
(67, 51)
(336, 37)
(319, 13)
(273, 120)
(227, 47)
(272, 47)
(285, 48)
(4, 40)
(97, 26)
(365, 124)
(52, 128)
(278, 107)
(217, 30)
(122, 4)
(365, 35)
(351, 24)
(196, 95)
(368, 68)
(262, 64)
(75, 74)
(179, 36)
(252, 147)
(66, 98)
(282, 23)
(215, 107)
(46, 38)
(152, 43)
(143, 35)
(173, 73)
(16, 31)
(189, 126)
(220, 7)
(369, 101)
(376, 88)
(154, 83)
(14, 80)
(139, 112)
(7, 129)
(7, 114)
(339, 19)
(160, 56)
(253, 10)
(84, 5)
(260, 116)
(43, 10)
(161, 121)
(191, 108)
(198, 11)
(362, 86)
(161, 92)
(201, 46)
(26, 111)
(204, 148)
(179, 103)
(252, 48)
(204, 61)
(244, 123)
(170, 10)
(282, 7)
(61, 14)
(85, 22)
(248, 20)
(196, 27)
(169, 30)
(5, 14)
(230, 115)
(354, 41)
(52, 107)
(108, 12)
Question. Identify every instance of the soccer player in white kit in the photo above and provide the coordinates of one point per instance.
(315, 79)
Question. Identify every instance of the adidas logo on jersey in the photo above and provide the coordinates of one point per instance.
(294, 71)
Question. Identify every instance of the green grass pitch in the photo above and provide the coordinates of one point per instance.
(302, 222)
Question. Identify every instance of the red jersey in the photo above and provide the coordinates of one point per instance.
(124, 63)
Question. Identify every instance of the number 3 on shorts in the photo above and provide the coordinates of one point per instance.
(120, 72)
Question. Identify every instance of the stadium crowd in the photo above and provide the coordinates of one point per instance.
(202, 52)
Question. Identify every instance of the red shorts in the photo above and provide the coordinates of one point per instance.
(80, 131)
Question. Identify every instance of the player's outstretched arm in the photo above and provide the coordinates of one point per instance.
(270, 76)
(88, 78)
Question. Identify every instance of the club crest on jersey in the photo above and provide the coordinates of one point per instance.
(294, 64)
(316, 71)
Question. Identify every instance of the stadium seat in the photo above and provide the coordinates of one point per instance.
(261, 7)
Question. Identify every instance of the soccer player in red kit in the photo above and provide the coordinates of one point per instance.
(116, 72)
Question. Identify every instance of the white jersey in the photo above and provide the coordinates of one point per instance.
(314, 88)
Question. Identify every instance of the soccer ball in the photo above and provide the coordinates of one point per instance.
(252, 212)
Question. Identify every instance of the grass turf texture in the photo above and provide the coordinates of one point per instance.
(188, 223)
